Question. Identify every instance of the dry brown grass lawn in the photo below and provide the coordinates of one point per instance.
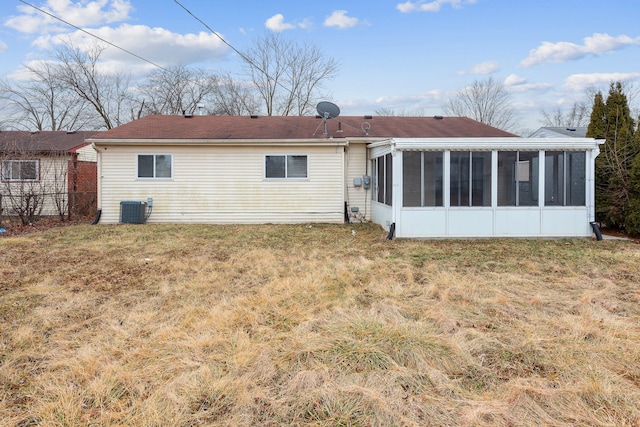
(312, 325)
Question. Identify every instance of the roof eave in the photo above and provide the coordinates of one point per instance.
(493, 143)
(234, 142)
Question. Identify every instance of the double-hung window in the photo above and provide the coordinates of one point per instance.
(20, 170)
(155, 166)
(286, 166)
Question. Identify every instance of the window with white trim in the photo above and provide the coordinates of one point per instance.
(155, 165)
(286, 166)
(20, 170)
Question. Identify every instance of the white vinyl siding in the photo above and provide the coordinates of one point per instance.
(225, 184)
(357, 167)
(87, 154)
(52, 179)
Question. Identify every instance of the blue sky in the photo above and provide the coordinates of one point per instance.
(406, 56)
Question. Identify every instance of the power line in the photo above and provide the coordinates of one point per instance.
(242, 55)
(95, 36)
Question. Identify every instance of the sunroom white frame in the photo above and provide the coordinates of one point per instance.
(485, 221)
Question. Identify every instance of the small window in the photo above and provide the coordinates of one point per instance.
(290, 166)
(20, 170)
(155, 165)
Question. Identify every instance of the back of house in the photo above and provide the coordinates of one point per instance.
(417, 176)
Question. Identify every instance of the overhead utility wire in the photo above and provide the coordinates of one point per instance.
(93, 35)
(242, 55)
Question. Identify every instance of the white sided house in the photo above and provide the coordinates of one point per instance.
(47, 173)
(417, 177)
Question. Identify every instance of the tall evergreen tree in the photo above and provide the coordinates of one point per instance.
(597, 124)
(612, 121)
(632, 219)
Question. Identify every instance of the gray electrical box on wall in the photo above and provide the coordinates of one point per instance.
(357, 182)
(367, 181)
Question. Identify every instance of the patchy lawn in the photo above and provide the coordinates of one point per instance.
(314, 324)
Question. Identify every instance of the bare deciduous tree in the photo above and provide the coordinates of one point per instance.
(576, 116)
(106, 92)
(178, 90)
(22, 191)
(234, 98)
(486, 101)
(44, 103)
(288, 76)
(384, 111)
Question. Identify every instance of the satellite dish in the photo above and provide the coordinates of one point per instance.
(328, 110)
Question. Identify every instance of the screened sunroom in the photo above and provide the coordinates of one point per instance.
(484, 187)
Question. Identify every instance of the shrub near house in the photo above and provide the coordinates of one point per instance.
(49, 173)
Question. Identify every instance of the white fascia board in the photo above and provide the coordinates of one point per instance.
(501, 144)
(331, 142)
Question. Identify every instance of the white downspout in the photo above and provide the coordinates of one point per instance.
(396, 197)
(99, 175)
(591, 181)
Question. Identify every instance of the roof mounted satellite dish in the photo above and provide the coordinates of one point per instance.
(327, 110)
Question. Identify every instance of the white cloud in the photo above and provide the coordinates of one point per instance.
(277, 23)
(413, 99)
(597, 44)
(580, 82)
(3, 46)
(431, 6)
(513, 80)
(483, 68)
(81, 14)
(340, 19)
(157, 45)
(516, 83)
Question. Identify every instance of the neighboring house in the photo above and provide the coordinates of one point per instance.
(47, 173)
(417, 176)
(560, 132)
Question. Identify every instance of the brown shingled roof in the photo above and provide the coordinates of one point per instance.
(43, 142)
(296, 127)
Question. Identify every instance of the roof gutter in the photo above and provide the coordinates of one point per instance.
(332, 142)
(496, 143)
